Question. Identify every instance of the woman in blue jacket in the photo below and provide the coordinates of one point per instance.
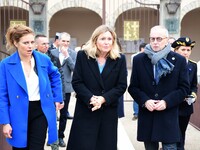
(30, 93)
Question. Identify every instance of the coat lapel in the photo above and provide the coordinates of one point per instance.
(95, 70)
(15, 69)
(41, 70)
(149, 66)
(110, 64)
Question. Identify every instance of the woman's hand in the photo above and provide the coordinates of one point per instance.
(59, 105)
(7, 131)
(97, 101)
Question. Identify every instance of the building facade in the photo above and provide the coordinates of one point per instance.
(131, 19)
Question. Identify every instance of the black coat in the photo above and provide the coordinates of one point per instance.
(184, 108)
(159, 125)
(96, 130)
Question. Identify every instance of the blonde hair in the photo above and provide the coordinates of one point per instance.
(14, 33)
(91, 49)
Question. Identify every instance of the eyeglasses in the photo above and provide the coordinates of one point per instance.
(158, 39)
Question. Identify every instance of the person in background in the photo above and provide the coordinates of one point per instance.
(67, 59)
(171, 40)
(30, 93)
(55, 44)
(42, 43)
(135, 105)
(184, 46)
(159, 83)
(99, 80)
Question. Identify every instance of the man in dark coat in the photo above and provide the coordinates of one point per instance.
(67, 59)
(159, 83)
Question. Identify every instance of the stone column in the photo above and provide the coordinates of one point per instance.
(171, 20)
(38, 16)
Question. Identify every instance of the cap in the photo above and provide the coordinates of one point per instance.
(183, 41)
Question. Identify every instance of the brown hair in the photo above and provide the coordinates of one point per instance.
(14, 33)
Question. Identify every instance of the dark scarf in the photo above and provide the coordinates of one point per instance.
(162, 65)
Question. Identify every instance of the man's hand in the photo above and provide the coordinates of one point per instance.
(64, 51)
(158, 105)
(150, 104)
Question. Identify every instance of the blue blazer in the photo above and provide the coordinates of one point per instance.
(159, 126)
(14, 100)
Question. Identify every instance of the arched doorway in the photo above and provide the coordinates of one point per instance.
(10, 15)
(139, 22)
(190, 27)
(69, 20)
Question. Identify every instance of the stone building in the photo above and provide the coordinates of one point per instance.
(131, 19)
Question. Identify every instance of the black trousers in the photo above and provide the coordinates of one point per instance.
(151, 145)
(183, 123)
(63, 116)
(37, 127)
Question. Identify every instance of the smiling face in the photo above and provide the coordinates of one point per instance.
(104, 43)
(25, 45)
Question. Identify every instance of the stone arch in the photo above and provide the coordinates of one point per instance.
(16, 3)
(127, 6)
(188, 7)
(68, 4)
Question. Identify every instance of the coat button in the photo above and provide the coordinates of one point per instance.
(156, 95)
(102, 91)
(17, 96)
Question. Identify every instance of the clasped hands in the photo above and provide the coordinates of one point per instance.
(158, 105)
(96, 102)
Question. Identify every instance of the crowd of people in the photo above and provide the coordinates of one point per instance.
(38, 78)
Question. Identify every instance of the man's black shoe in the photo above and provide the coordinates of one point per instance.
(61, 143)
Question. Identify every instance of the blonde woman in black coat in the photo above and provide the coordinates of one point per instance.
(99, 79)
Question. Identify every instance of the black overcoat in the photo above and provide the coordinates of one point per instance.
(159, 125)
(96, 130)
(184, 108)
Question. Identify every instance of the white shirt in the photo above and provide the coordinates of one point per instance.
(32, 82)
